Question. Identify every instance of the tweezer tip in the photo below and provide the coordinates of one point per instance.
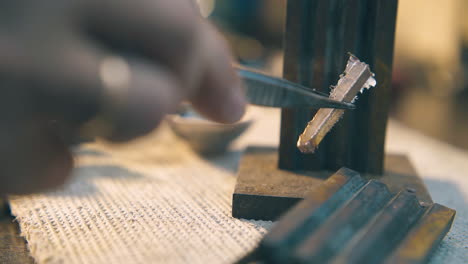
(340, 105)
(350, 106)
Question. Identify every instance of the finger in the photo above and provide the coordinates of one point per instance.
(220, 96)
(151, 93)
(62, 80)
(163, 31)
(134, 95)
(33, 158)
(83, 80)
(171, 33)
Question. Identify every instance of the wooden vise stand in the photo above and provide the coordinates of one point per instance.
(319, 35)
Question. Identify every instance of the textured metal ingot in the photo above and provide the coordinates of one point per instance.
(289, 232)
(356, 78)
(424, 238)
(348, 219)
(342, 226)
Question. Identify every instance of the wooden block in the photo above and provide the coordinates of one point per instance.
(264, 192)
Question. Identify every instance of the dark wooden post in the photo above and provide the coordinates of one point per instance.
(319, 34)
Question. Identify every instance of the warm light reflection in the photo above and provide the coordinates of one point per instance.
(206, 7)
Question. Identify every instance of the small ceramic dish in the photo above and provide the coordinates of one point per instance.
(204, 136)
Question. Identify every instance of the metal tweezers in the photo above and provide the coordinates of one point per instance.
(265, 90)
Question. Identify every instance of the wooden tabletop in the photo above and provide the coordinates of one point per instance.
(13, 248)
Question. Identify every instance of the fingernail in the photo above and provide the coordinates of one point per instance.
(236, 106)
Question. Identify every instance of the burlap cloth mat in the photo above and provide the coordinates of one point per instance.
(156, 201)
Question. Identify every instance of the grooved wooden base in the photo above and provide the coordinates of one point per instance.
(264, 192)
(349, 219)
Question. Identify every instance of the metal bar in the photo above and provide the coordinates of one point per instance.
(332, 236)
(357, 77)
(423, 239)
(382, 236)
(340, 221)
(308, 215)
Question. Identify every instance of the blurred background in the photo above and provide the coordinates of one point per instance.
(430, 82)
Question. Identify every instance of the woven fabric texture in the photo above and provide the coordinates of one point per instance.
(156, 201)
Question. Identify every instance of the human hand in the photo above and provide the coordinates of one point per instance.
(63, 62)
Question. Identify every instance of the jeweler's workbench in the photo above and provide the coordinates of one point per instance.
(156, 201)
